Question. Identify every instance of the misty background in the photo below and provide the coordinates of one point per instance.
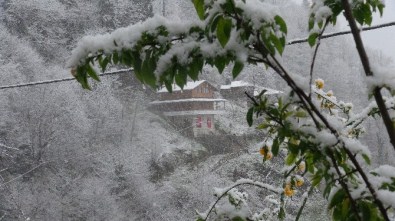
(71, 154)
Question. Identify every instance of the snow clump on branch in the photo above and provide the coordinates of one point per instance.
(125, 37)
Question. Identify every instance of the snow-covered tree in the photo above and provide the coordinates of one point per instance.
(319, 137)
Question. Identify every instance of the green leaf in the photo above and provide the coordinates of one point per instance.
(134, 59)
(381, 8)
(181, 77)
(224, 28)
(363, 14)
(277, 43)
(82, 77)
(283, 42)
(195, 68)
(263, 126)
(127, 58)
(238, 218)
(280, 22)
(147, 70)
(220, 63)
(103, 64)
(199, 6)
(293, 148)
(268, 44)
(290, 159)
(367, 14)
(91, 72)
(345, 208)
(310, 166)
(168, 86)
(337, 198)
(337, 213)
(311, 22)
(250, 114)
(320, 24)
(276, 146)
(300, 114)
(214, 21)
(316, 180)
(115, 57)
(366, 211)
(237, 68)
(312, 39)
(281, 214)
(366, 158)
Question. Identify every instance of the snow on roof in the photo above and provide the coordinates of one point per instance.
(194, 112)
(188, 100)
(189, 86)
(236, 84)
(268, 91)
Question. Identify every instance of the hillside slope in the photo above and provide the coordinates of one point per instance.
(102, 155)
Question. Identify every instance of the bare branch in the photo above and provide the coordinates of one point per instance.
(240, 183)
(315, 56)
(8, 147)
(368, 71)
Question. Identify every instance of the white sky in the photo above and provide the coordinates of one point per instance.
(383, 39)
(379, 39)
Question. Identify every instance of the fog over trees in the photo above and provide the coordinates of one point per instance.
(71, 154)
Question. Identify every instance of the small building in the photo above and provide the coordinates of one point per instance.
(192, 108)
(236, 90)
(268, 91)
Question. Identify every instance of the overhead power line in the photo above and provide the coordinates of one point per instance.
(291, 42)
(334, 34)
(62, 79)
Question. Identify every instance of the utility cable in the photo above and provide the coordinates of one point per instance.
(291, 42)
(334, 34)
(121, 71)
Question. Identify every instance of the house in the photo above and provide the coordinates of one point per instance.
(236, 90)
(192, 108)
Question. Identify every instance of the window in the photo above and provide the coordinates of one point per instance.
(199, 121)
(209, 122)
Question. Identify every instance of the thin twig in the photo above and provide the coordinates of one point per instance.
(8, 147)
(232, 187)
(251, 98)
(315, 56)
(344, 185)
(304, 203)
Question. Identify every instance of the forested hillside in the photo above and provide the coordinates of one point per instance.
(71, 154)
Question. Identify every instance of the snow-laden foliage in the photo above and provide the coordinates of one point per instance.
(110, 158)
(320, 134)
(161, 51)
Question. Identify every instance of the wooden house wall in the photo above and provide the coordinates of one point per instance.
(198, 92)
